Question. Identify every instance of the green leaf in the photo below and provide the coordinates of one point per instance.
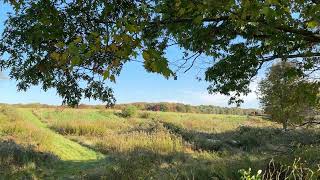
(75, 60)
(181, 11)
(266, 11)
(106, 75)
(113, 78)
(312, 24)
(198, 19)
(132, 28)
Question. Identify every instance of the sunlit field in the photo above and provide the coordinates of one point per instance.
(44, 143)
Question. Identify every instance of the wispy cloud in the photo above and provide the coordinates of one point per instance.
(196, 97)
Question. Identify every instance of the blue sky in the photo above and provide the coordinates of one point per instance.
(133, 85)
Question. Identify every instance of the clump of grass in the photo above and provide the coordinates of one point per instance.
(24, 132)
(148, 135)
(157, 142)
(10, 113)
(145, 115)
(88, 128)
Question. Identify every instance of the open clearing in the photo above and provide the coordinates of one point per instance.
(53, 143)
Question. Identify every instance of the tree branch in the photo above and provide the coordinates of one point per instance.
(304, 55)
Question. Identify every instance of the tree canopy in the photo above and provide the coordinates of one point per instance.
(287, 97)
(74, 46)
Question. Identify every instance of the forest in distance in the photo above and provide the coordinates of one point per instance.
(161, 106)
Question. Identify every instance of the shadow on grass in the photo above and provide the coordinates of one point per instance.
(17, 161)
(233, 150)
(143, 163)
(25, 162)
(243, 148)
(249, 139)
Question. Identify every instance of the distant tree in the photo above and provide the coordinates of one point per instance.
(180, 108)
(140, 105)
(286, 96)
(164, 107)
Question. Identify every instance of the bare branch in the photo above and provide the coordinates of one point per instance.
(194, 60)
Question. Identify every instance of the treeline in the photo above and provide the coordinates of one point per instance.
(163, 106)
(31, 105)
(186, 108)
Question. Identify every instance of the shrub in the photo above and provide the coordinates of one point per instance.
(129, 111)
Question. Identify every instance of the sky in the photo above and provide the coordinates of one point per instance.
(133, 85)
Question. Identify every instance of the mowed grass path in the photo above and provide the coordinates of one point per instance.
(66, 149)
(74, 156)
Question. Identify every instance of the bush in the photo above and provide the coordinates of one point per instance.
(129, 111)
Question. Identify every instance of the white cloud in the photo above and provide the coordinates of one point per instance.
(197, 98)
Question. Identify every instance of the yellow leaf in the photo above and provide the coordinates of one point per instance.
(312, 24)
(55, 56)
(146, 55)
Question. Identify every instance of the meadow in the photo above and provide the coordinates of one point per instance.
(63, 143)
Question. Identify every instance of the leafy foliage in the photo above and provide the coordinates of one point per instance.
(73, 46)
(287, 97)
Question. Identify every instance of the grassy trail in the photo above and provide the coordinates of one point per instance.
(74, 156)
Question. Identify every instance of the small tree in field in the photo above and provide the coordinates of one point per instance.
(286, 96)
(129, 111)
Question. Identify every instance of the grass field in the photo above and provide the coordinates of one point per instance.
(52, 143)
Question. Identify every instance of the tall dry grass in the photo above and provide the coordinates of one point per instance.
(24, 148)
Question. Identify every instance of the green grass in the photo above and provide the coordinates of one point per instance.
(69, 153)
(64, 148)
(68, 114)
(97, 144)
